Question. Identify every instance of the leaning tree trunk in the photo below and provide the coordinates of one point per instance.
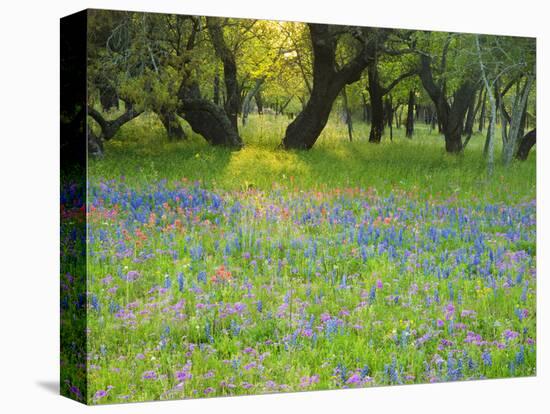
(303, 131)
(409, 125)
(247, 101)
(518, 109)
(110, 128)
(205, 117)
(210, 121)
(174, 130)
(525, 145)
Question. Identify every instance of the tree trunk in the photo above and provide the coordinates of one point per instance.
(217, 88)
(110, 128)
(450, 116)
(232, 103)
(108, 98)
(525, 145)
(470, 116)
(518, 110)
(376, 103)
(349, 121)
(247, 101)
(210, 121)
(303, 131)
(409, 126)
(174, 130)
(205, 117)
(388, 115)
(381, 114)
(259, 102)
(95, 145)
(488, 150)
(482, 113)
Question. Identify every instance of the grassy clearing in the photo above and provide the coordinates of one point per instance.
(420, 164)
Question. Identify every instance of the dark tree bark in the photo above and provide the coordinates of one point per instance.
(388, 115)
(204, 116)
(303, 131)
(377, 92)
(449, 115)
(409, 125)
(226, 55)
(174, 130)
(470, 116)
(525, 145)
(108, 98)
(95, 144)
(110, 128)
(210, 121)
(376, 95)
(217, 88)
(259, 102)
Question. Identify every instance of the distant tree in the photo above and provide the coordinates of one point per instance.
(379, 48)
(409, 125)
(451, 99)
(508, 61)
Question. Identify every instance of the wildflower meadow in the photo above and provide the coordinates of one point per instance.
(204, 288)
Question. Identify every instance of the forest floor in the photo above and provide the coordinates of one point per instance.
(216, 272)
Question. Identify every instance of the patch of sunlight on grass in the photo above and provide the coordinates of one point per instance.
(257, 166)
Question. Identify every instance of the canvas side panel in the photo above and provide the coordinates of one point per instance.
(73, 305)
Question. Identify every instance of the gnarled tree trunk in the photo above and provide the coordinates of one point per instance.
(525, 145)
(110, 128)
(303, 131)
(210, 121)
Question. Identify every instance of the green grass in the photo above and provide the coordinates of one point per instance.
(420, 164)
